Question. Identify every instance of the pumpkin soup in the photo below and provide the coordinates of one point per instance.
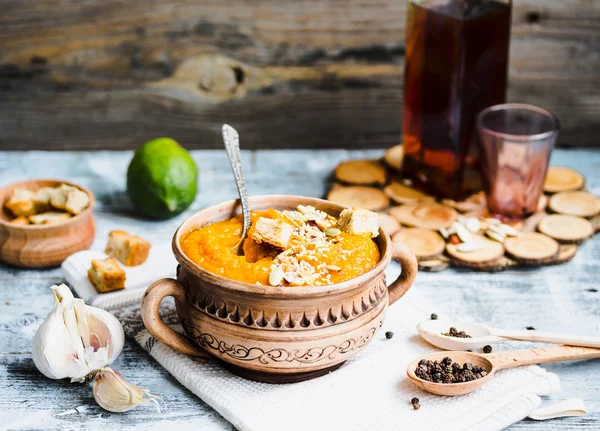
(304, 247)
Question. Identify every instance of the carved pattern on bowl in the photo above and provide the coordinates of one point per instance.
(311, 355)
(232, 313)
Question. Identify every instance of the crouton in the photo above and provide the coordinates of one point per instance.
(129, 249)
(21, 220)
(42, 199)
(77, 201)
(106, 275)
(358, 221)
(276, 233)
(50, 217)
(21, 203)
(60, 196)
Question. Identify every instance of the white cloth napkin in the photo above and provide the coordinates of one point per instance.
(160, 264)
(370, 392)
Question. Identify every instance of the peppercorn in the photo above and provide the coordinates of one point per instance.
(434, 316)
(530, 328)
(415, 400)
(447, 371)
(487, 349)
(448, 378)
(453, 332)
(389, 334)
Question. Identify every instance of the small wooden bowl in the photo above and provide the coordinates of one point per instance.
(43, 246)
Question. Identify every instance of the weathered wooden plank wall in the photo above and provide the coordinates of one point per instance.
(287, 73)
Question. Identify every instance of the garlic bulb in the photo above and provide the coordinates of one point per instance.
(76, 340)
(113, 393)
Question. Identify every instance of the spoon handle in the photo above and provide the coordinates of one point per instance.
(548, 337)
(518, 358)
(231, 138)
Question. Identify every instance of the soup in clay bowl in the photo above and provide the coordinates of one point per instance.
(276, 334)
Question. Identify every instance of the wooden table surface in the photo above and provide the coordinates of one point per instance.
(555, 298)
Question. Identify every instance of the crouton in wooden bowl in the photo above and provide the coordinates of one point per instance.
(42, 222)
(263, 319)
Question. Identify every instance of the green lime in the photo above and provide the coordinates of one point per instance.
(161, 179)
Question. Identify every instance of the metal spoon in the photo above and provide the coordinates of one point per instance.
(482, 335)
(232, 145)
(495, 362)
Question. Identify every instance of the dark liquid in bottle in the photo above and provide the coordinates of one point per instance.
(456, 65)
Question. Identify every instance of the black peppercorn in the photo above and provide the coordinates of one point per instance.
(415, 403)
(434, 316)
(389, 334)
(487, 349)
(446, 371)
(530, 328)
(453, 332)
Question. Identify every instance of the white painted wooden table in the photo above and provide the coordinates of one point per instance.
(553, 298)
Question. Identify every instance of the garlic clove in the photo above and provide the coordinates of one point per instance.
(114, 328)
(113, 393)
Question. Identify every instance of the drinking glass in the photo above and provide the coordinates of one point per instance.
(516, 141)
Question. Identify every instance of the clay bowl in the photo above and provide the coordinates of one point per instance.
(43, 246)
(274, 334)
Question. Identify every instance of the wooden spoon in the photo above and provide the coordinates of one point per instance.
(494, 362)
(232, 145)
(481, 335)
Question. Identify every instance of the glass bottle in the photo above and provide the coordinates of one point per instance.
(456, 65)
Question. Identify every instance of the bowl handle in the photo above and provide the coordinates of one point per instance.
(150, 305)
(410, 267)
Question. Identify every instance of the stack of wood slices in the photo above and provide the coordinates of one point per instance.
(445, 232)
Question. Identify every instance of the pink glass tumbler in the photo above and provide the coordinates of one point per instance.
(516, 141)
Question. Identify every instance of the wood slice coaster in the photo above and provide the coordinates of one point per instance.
(581, 204)
(388, 223)
(393, 157)
(489, 252)
(366, 198)
(361, 172)
(478, 213)
(402, 194)
(532, 248)
(498, 265)
(563, 179)
(565, 254)
(566, 229)
(424, 243)
(530, 224)
(428, 215)
(434, 265)
(474, 203)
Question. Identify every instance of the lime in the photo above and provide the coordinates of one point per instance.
(161, 179)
